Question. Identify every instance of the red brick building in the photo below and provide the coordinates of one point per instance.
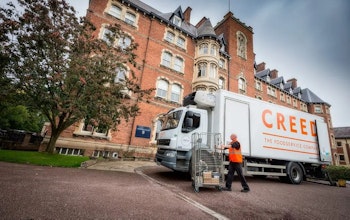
(176, 57)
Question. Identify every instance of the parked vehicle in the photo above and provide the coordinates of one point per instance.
(275, 140)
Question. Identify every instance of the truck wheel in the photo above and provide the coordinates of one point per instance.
(295, 173)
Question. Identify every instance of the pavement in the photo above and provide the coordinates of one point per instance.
(118, 165)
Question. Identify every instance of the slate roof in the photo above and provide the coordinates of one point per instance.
(310, 97)
(277, 81)
(341, 132)
(263, 74)
(186, 27)
(206, 29)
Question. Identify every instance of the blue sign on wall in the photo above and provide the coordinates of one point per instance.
(143, 132)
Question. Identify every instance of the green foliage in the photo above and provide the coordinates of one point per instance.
(338, 172)
(20, 118)
(63, 70)
(42, 159)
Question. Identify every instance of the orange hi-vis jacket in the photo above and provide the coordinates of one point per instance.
(235, 155)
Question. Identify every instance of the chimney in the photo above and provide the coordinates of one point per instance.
(260, 67)
(294, 82)
(273, 74)
(187, 14)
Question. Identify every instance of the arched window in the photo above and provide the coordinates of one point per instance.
(115, 11)
(213, 70)
(213, 50)
(167, 59)
(180, 42)
(124, 42)
(203, 49)
(162, 88)
(178, 64)
(241, 45)
(202, 67)
(221, 83)
(175, 93)
(241, 84)
(121, 75)
(130, 18)
(170, 36)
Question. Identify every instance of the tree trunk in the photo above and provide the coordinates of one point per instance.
(52, 143)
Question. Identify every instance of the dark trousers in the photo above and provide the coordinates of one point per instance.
(232, 168)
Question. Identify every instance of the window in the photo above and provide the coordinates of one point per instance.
(202, 67)
(178, 64)
(203, 49)
(221, 83)
(69, 151)
(107, 36)
(120, 76)
(94, 126)
(162, 89)
(213, 50)
(271, 91)
(180, 42)
(282, 97)
(213, 71)
(258, 85)
(177, 21)
(318, 109)
(170, 36)
(288, 100)
(115, 11)
(339, 144)
(130, 18)
(222, 63)
(241, 84)
(295, 103)
(241, 45)
(124, 42)
(167, 59)
(175, 93)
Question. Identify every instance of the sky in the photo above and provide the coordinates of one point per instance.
(304, 39)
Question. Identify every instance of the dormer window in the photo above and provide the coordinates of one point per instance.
(177, 21)
(281, 86)
(268, 79)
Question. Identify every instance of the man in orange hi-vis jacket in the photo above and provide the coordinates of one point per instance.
(236, 159)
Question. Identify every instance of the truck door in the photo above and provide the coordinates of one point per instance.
(324, 148)
(237, 121)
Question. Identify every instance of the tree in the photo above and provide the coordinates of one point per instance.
(62, 68)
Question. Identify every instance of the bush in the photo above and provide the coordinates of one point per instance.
(338, 172)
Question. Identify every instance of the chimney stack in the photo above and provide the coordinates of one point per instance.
(294, 82)
(187, 14)
(273, 74)
(260, 67)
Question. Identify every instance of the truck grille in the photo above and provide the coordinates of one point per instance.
(165, 142)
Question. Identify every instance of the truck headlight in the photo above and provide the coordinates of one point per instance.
(170, 154)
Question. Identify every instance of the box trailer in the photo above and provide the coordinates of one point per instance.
(275, 140)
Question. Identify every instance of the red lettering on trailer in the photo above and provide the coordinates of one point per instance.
(278, 121)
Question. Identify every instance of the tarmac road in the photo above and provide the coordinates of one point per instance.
(143, 190)
(35, 192)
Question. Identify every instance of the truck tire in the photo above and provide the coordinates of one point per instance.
(294, 173)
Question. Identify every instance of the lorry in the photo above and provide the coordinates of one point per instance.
(275, 140)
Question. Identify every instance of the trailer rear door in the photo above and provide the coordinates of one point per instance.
(323, 142)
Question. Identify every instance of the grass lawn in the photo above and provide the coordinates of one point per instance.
(41, 158)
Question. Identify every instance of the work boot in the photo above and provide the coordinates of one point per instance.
(245, 190)
(226, 189)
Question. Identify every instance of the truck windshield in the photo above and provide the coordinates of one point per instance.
(171, 120)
